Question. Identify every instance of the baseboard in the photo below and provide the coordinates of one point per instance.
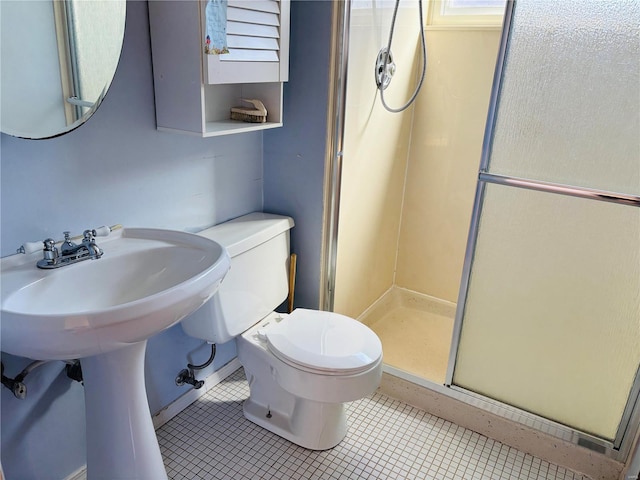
(190, 396)
(79, 474)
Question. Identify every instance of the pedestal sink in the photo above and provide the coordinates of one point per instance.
(103, 311)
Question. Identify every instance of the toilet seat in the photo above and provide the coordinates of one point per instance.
(323, 342)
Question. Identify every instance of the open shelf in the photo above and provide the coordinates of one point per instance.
(227, 127)
(195, 91)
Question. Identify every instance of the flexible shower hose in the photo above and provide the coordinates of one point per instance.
(386, 60)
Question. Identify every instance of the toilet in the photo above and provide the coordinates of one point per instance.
(301, 367)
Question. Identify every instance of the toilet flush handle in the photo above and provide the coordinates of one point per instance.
(262, 334)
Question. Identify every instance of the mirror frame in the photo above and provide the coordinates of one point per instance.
(73, 107)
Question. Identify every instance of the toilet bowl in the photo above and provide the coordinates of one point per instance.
(301, 367)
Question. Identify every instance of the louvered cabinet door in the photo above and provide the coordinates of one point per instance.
(195, 90)
(258, 42)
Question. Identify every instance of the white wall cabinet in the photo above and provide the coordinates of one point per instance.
(195, 91)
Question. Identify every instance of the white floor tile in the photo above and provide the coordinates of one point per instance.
(387, 439)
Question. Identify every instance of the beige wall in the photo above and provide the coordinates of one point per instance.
(408, 180)
(375, 157)
(445, 151)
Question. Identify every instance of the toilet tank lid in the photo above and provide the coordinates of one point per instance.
(249, 231)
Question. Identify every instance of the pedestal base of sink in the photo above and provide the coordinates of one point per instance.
(121, 440)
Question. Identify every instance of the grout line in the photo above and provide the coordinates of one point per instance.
(387, 439)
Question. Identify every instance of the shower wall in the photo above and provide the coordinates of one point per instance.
(444, 155)
(408, 180)
(376, 149)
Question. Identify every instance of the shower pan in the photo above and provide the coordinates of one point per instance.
(547, 289)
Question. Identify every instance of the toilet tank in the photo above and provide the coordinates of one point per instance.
(257, 282)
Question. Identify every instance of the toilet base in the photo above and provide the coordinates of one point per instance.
(312, 425)
(305, 407)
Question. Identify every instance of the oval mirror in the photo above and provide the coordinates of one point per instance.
(58, 60)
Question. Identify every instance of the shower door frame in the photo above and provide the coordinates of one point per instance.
(621, 447)
(336, 114)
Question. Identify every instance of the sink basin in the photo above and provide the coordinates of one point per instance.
(102, 311)
(146, 281)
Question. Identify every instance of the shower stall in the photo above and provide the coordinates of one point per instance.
(408, 179)
(490, 234)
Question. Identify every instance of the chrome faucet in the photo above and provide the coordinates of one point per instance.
(88, 242)
(69, 251)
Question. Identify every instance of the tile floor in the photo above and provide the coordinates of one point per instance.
(387, 439)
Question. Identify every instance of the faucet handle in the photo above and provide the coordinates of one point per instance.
(104, 231)
(50, 251)
(47, 245)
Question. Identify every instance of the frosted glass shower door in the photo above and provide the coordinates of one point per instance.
(552, 314)
(549, 321)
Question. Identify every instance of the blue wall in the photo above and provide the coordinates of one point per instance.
(294, 156)
(117, 168)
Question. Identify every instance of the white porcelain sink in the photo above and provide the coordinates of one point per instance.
(146, 281)
(103, 311)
